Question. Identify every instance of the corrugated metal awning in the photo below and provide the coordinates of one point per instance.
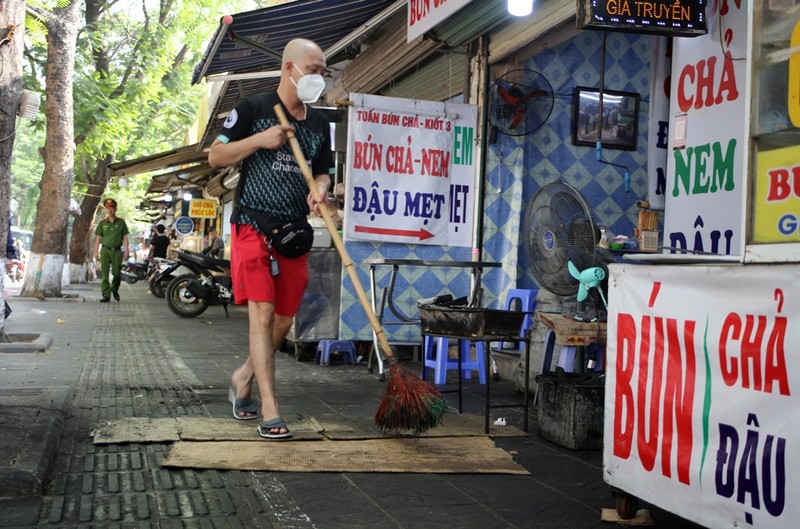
(253, 39)
(191, 178)
(182, 168)
(189, 154)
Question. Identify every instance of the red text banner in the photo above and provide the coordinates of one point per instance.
(410, 171)
(702, 409)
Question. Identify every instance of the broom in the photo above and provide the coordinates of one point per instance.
(409, 403)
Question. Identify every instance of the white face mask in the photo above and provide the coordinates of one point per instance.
(309, 87)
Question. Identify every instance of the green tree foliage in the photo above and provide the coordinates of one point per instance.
(134, 76)
(132, 92)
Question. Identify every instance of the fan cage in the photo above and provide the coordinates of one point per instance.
(520, 102)
(559, 229)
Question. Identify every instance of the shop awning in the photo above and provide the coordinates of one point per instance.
(254, 40)
(189, 154)
(182, 179)
(183, 168)
(245, 78)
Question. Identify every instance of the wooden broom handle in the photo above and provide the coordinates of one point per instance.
(337, 240)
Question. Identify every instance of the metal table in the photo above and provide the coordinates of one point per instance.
(488, 406)
(387, 294)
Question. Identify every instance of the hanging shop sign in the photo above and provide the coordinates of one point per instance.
(708, 145)
(674, 18)
(424, 15)
(184, 225)
(411, 171)
(776, 206)
(201, 208)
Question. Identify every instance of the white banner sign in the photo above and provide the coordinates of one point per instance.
(410, 171)
(424, 15)
(702, 397)
(709, 105)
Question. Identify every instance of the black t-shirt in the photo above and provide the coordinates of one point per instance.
(273, 181)
(160, 243)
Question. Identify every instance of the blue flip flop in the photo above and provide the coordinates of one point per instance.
(248, 406)
(274, 424)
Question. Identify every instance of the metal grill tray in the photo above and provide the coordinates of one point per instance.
(472, 323)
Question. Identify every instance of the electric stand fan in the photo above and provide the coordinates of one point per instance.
(561, 241)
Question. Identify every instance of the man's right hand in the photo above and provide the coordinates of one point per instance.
(275, 136)
(229, 154)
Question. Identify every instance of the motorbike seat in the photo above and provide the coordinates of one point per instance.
(140, 266)
(204, 261)
(223, 263)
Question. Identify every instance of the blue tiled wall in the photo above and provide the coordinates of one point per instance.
(516, 168)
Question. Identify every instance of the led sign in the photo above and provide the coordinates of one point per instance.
(676, 18)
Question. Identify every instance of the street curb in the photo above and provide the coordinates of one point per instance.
(26, 456)
(27, 343)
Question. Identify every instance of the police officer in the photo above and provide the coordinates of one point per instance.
(112, 232)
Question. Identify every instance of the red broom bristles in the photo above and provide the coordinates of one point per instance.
(409, 403)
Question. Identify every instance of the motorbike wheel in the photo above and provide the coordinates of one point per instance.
(129, 278)
(158, 288)
(181, 301)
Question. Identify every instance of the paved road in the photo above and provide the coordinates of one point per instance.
(136, 359)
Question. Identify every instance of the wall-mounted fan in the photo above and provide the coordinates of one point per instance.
(520, 102)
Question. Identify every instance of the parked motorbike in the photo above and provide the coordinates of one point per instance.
(210, 283)
(165, 271)
(133, 271)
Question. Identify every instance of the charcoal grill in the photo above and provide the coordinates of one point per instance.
(479, 324)
(387, 295)
(470, 322)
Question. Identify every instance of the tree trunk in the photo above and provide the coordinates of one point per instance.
(80, 245)
(12, 15)
(52, 212)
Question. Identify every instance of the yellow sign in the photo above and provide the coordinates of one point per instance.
(776, 206)
(200, 208)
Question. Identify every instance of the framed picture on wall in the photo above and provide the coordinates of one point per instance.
(620, 122)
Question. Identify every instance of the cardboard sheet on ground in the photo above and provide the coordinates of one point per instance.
(462, 455)
(171, 429)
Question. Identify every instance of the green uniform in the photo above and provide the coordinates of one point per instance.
(113, 234)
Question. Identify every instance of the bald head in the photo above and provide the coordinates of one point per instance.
(298, 49)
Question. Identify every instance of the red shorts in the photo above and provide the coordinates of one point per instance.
(252, 279)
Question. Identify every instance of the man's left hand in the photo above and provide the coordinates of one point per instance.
(313, 205)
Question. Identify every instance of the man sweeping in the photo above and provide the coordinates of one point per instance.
(272, 186)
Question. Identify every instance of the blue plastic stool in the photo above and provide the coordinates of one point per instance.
(435, 356)
(527, 303)
(326, 347)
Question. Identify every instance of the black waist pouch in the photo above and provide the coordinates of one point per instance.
(289, 237)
